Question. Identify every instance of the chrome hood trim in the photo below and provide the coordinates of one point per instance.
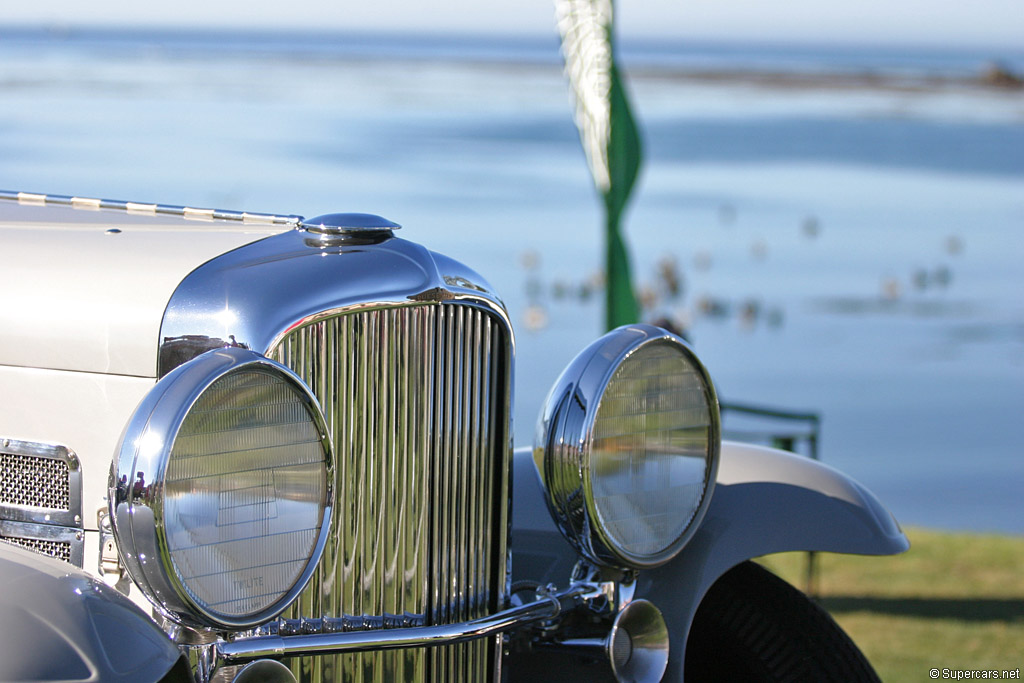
(148, 209)
(302, 277)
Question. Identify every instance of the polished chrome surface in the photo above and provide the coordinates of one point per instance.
(565, 445)
(348, 223)
(40, 483)
(638, 644)
(160, 471)
(264, 671)
(252, 296)
(187, 212)
(41, 499)
(416, 396)
(546, 607)
(401, 305)
(61, 542)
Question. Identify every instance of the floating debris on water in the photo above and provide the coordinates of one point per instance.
(750, 311)
(920, 278)
(759, 250)
(661, 297)
(535, 318)
(954, 245)
(891, 288)
(702, 260)
(646, 297)
(811, 227)
(529, 259)
(711, 307)
(676, 325)
(670, 276)
(727, 214)
(559, 290)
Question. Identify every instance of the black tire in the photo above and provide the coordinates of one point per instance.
(753, 626)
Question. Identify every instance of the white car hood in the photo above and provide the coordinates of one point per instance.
(86, 290)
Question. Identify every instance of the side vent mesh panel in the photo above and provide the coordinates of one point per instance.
(58, 549)
(41, 499)
(35, 482)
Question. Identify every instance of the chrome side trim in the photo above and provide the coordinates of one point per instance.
(61, 542)
(546, 607)
(62, 458)
(186, 212)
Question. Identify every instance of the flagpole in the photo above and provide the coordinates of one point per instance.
(608, 134)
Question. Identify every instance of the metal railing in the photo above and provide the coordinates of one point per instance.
(794, 431)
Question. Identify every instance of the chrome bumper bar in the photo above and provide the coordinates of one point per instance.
(548, 606)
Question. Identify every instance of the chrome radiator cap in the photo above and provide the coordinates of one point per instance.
(348, 223)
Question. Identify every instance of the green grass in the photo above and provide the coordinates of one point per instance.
(953, 601)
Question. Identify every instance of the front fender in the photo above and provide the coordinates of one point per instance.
(59, 624)
(765, 501)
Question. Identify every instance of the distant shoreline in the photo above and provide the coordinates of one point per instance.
(784, 67)
(993, 78)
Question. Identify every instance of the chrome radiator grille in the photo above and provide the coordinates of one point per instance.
(417, 400)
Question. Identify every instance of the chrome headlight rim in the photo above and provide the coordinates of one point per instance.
(565, 434)
(136, 486)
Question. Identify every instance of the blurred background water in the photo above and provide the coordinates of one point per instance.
(838, 229)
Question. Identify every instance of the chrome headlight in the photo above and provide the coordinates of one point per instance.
(627, 447)
(221, 490)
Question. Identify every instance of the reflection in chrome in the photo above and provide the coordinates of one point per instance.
(627, 447)
(410, 355)
(228, 451)
(416, 398)
(349, 223)
(546, 607)
(252, 296)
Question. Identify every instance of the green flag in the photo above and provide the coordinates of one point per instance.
(608, 133)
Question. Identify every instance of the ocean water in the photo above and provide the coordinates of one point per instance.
(846, 225)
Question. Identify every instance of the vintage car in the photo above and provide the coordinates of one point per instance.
(250, 447)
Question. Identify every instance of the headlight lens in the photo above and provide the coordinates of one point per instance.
(628, 447)
(221, 490)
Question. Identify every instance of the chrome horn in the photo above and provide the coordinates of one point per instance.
(636, 646)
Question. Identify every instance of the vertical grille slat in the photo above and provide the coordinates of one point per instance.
(416, 400)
